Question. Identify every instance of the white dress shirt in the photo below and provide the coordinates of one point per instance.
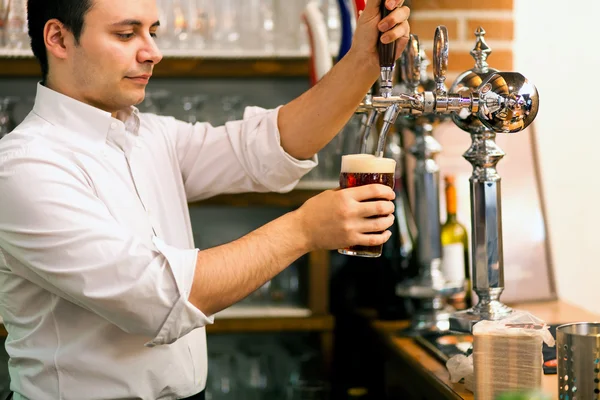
(96, 249)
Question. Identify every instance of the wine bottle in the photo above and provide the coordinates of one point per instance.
(455, 248)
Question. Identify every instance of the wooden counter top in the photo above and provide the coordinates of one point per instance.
(434, 377)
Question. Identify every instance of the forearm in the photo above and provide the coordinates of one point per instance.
(226, 274)
(309, 122)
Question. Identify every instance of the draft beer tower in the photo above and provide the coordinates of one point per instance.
(513, 107)
(483, 102)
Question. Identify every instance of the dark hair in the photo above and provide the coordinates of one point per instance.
(70, 12)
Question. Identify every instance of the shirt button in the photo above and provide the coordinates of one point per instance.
(138, 143)
(113, 125)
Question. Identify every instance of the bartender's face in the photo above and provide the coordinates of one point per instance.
(116, 53)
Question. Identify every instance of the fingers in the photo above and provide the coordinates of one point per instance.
(396, 17)
(372, 8)
(373, 239)
(403, 41)
(375, 225)
(370, 192)
(390, 4)
(373, 4)
(398, 22)
(376, 208)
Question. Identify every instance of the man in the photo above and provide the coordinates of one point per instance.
(102, 291)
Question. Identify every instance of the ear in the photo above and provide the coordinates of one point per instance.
(56, 38)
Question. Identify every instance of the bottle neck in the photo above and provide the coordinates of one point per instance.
(451, 201)
(451, 218)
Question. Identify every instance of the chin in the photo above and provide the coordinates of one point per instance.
(132, 98)
(138, 99)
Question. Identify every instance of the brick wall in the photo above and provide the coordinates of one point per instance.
(461, 18)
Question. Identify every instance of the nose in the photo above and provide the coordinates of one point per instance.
(149, 53)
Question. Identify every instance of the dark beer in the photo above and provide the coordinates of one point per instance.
(366, 169)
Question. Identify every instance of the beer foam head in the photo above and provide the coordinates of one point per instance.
(367, 164)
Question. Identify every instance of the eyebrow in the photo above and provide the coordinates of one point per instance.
(134, 22)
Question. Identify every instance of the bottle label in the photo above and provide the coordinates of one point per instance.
(453, 262)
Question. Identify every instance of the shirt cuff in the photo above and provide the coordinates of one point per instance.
(282, 171)
(184, 316)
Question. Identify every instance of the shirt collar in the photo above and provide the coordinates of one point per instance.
(88, 122)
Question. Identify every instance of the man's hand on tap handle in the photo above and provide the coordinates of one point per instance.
(394, 27)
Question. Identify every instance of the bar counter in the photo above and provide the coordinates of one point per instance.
(412, 372)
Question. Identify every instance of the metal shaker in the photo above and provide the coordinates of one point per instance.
(578, 354)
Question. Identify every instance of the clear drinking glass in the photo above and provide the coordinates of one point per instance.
(181, 23)
(3, 22)
(221, 382)
(331, 11)
(257, 25)
(257, 373)
(203, 23)
(164, 38)
(226, 33)
(290, 34)
(16, 25)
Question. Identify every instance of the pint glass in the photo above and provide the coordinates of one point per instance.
(366, 169)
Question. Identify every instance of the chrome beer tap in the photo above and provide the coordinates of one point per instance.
(485, 102)
(513, 107)
(387, 62)
(504, 102)
(430, 288)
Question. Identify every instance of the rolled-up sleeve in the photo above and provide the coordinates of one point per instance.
(241, 156)
(183, 315)
(63, 238)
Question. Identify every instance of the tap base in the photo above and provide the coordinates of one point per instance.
(428, 320)
(432, 313)
(463, 321)
(419, 289)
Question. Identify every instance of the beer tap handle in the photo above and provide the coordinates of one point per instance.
(387, 56)
(410, 63)
(440, 58)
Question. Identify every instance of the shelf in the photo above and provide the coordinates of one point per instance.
(183, 64)
(272, 324)
(293, 199)
(220, 54)
(246, 311)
